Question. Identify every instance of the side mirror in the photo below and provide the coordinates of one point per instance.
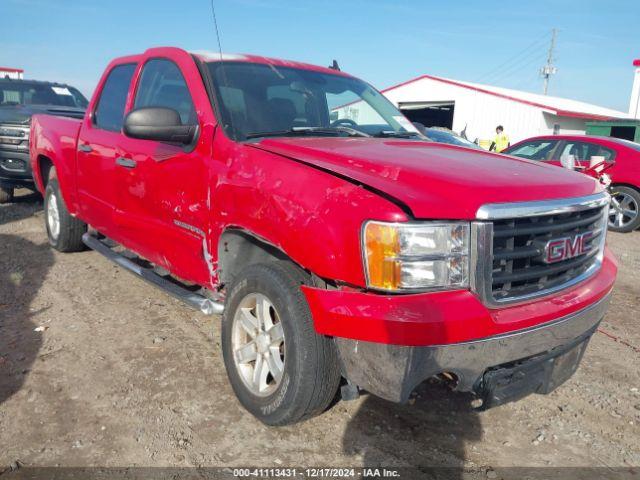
(158, 123)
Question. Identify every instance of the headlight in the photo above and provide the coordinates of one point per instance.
(416, 256)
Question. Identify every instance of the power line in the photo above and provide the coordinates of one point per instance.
(515, 65)
(517, 56)
(528, 82)
(527, 62)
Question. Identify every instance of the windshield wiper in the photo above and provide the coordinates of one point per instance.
(351, 131)
(393, 133)
(305, 130)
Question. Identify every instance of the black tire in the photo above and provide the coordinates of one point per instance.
(6, 194)
(634, 196)
(71, 229)
(311, 367)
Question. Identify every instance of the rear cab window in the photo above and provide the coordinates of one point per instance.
(109, 113)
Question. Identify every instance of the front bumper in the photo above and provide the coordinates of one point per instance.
(388, 344)
(393, 371)
(15, 168)
(445, 317)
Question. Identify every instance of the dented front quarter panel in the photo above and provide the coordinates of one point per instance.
(313, 216)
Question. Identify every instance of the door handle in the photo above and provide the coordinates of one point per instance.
(126, 162)
(85, 147)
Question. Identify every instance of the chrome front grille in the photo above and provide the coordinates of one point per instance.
(527, 250)
(14, 137)
(519, 251)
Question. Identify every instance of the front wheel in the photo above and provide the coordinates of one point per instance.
(280, 369)
(624, 212)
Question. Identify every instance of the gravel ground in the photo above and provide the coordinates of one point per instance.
(97, 368)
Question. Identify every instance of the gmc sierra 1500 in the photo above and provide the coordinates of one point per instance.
(335, 240)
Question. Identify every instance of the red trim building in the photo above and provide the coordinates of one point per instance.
(454, 104)
(9, 72)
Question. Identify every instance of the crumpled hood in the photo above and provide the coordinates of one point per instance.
(21, 114)
(434, 180)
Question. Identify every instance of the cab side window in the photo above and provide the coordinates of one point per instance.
(109, 114)
(162, 85)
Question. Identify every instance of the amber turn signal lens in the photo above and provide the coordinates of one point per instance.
(382, 249)
(417, 256)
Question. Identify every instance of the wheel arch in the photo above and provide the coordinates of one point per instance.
(238, 248)
(44, 166)
(628, 185)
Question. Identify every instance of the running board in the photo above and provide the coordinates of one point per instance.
(193, 299)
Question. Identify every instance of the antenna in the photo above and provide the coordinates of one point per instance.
(222, 68)
(549, 69)
(215, 24)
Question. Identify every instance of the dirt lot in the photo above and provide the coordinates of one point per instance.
(123, 375)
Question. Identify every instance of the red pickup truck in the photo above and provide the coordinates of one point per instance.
(343, 250)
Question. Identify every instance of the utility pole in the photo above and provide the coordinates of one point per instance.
(549, 69)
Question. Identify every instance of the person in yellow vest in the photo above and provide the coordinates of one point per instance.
(501, 141)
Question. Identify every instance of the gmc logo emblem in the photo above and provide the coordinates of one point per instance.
(565, 248)
(8, 132)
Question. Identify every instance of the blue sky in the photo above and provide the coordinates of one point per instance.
(382, 41)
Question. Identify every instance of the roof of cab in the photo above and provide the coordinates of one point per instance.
(210, 56)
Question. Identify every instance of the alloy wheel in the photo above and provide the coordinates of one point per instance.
(53, 216)
(623, 211)
(258, 344)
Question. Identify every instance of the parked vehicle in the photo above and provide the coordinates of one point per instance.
(622, 158)
(19, 100)
(331, 252)
(443, 135)
(598, 170)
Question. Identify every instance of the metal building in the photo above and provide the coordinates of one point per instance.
(14, 73)
(458, 105)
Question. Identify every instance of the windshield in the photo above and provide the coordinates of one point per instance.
(26, 93)
(257, 100)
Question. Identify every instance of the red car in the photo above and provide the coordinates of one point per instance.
(624, 215)
(337, 243)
